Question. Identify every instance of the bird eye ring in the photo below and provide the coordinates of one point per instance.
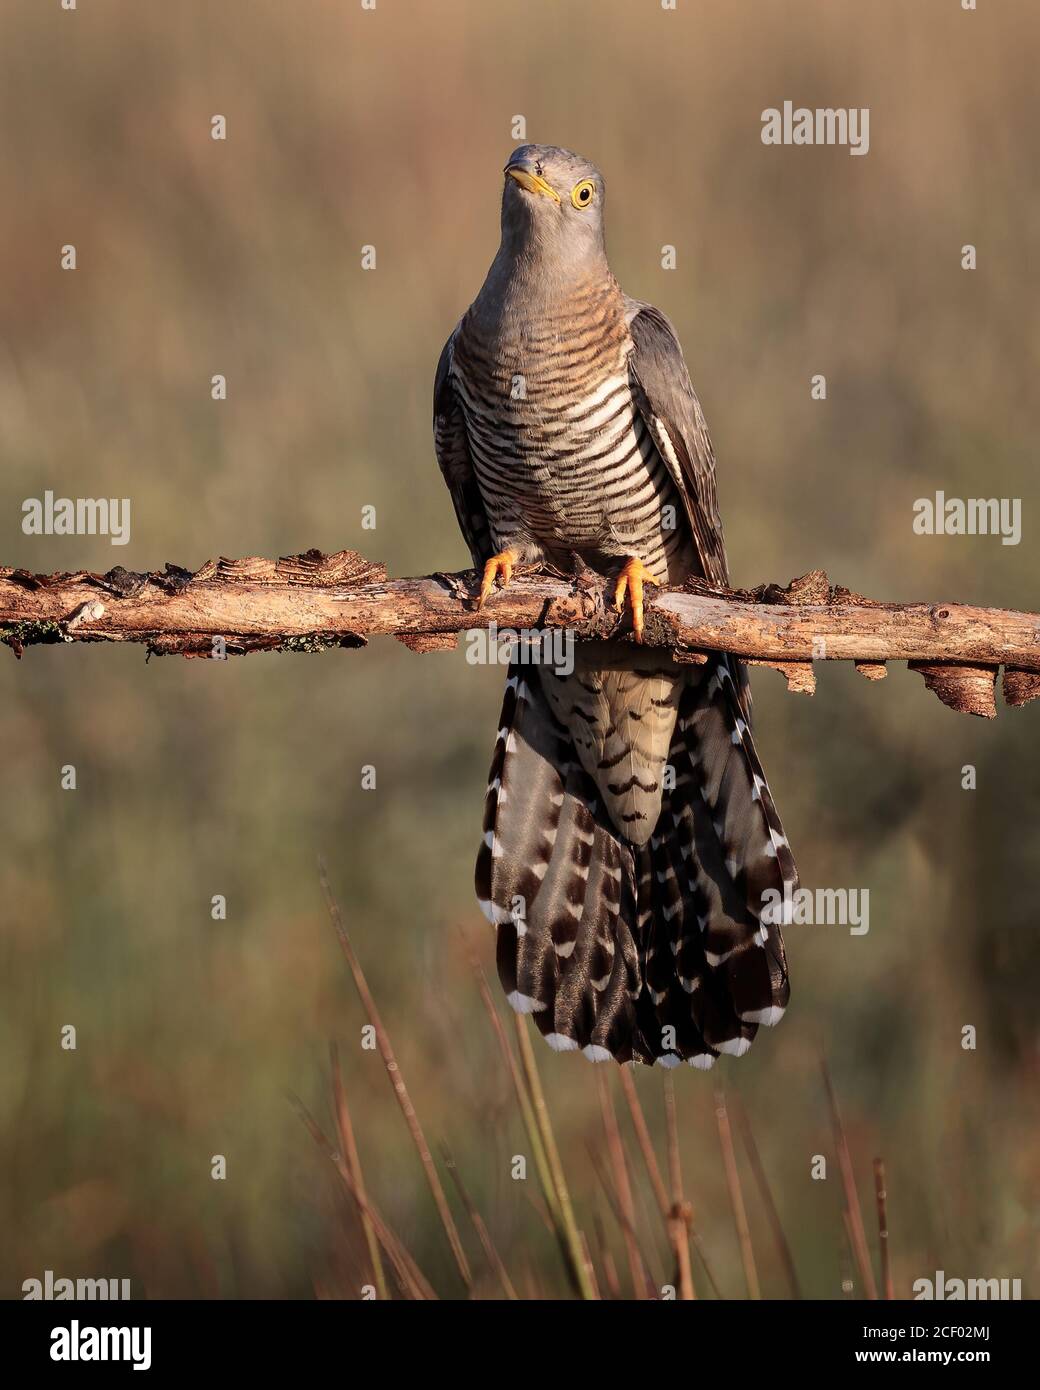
(583, 193)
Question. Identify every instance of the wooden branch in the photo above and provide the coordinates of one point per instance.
(311, 602)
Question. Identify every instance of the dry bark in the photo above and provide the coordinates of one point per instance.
(312, 602)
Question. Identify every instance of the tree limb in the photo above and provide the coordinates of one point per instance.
(313, 601)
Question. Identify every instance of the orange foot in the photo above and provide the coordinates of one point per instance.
(498, 564)
(632, 578)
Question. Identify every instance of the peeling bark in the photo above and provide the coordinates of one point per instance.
(311, 602)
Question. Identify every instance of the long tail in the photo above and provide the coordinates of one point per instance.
(660, 953)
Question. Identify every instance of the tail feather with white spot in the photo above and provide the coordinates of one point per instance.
(654, 952)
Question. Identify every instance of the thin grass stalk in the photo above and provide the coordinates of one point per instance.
(544, 1216)
(413, 1281)
(534, 1085)
(551, 1215)
(603, 1178)
(766, 1193)
(846, 1263)
(541, 1162)
(622, 1186)
(654, 1173)
(681, 1214)
(606, 1259)
(589, 1265)
(857, 1231)
(736, 1196)
(698, 1245)
(646, 1211)
(348, 1145)
(881, 1193)
(628, 1086)
(494, 1259)
(851, 1259)
(531, 1284)
(397, 1082)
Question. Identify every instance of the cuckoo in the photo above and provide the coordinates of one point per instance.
(629, 834)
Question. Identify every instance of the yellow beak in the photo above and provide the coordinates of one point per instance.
(534, 183)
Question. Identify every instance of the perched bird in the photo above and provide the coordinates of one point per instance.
(629, 834)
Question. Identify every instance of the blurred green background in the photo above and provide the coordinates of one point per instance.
(242, 257)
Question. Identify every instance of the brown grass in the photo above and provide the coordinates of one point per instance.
(590, 1266)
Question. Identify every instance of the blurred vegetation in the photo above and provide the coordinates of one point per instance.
(242, 257)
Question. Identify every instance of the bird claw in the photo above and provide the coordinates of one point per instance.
(498, 564)
(631, 581)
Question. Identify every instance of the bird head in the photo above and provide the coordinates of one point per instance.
(552, 205)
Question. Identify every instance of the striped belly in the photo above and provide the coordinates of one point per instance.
(573, 473)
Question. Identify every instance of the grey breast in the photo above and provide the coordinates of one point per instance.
(561, 454)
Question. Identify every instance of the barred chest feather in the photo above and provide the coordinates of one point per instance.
(563, 459)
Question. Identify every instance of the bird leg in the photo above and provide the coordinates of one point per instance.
(502, 563)
(631, 580)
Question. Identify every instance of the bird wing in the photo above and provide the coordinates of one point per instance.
(668, 404)
(451, 442)
(672, 413)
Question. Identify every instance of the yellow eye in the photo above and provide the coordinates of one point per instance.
(583, 193)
